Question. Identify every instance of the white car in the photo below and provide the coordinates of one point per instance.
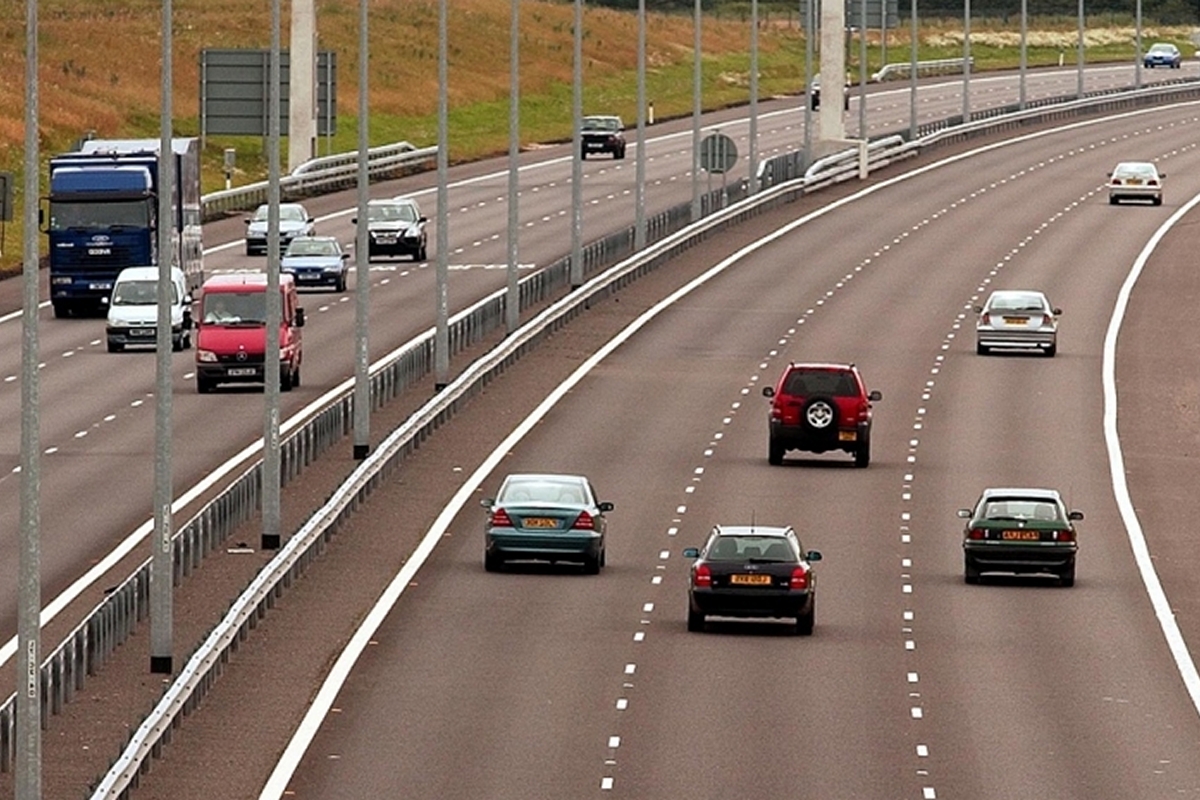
(1135, 180)
(1017, 319)
(133, 310)
(294, 221)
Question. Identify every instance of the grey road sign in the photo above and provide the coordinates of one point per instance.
(6, 196)
(854, 9)
(717, 153)
(234, 92)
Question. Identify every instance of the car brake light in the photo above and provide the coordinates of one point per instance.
(1064, 536)
(585, 522)
(799, 578)
(1153, 182)
(500, 519)
(977, 533)
(702, 576)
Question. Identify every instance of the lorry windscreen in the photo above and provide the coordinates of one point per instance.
(65, 215)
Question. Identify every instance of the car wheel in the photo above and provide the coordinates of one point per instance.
(1052, 350)
(340, 286)
(177, 343)
(113, 347)
(820, 414)
(591, 566)
(805, 622)
(423, 255)
(695, 621)
(583, 155)
(492, 562)
(1157, 201)
(604, 558)
(296, 376)
(970, 571)
(775, 452)
(619, 154)
(862, 455)
(1112, 199)
(286, 380)
(204, 386)
(981, 349)
(1067, 576)
(249, 250)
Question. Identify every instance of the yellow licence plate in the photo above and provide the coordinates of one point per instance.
(1021, 536)
(1133, 181)
(847, 436)
(750, 580)
(540, 522)
(1016, 320)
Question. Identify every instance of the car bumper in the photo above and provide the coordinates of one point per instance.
(799, 437)
(1022, 558)
(232, 373)
(132, 337)
(394, 247)
(567, 546)
(1135, 192)
(320, 278)
(1042, 339)
(748, 603)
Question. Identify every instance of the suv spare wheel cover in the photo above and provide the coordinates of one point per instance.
(819, 414)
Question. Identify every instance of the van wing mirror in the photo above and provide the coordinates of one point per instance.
(299, 317)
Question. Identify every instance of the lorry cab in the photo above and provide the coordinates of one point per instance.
(133, 310)
(231, 337)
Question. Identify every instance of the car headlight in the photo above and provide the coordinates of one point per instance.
(206, 356)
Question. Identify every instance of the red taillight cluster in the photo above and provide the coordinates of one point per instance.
(1064, 536)
(500, 519)
(585, 522)
(977, 533)
(702, 576)
(799, 579)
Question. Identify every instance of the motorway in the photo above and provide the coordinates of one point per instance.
(913, 682)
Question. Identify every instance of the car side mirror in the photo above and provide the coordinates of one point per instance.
(691, 552)
(768, 391)
(978, 309)
(964, 513)
(1075, 516)
(422, 219)
(1162, 175)
(487, 502)
(605, 506)
(345, 256)
(812, 555)
(875, 395)
(299, 317)
(247, 220)
(1058, 312)
(354, 220)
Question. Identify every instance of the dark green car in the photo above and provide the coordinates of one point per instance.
(546, 517)
(1020, 531)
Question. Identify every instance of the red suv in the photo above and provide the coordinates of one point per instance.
(820, 407)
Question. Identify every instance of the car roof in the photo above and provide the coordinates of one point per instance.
(543, 476)
(392, 201)
(1017, 293)
(333, 239)
(1025, 493)
(231, 282)
(144, 273)
(752, 530)
(829, 365)
(1135, 165)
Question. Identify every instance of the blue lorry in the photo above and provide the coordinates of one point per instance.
(103, 210)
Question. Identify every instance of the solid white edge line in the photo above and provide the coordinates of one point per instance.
(306, 731)
(1116, 466)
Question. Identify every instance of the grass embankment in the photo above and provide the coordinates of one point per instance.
(99, 70)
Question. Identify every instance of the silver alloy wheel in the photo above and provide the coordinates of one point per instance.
(819, 414)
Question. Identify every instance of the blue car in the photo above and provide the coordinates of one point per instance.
(1163, 54)
(316, 261)
(545, 517)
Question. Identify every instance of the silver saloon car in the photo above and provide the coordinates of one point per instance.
(1135, 180)
(545, 517)
(1017, 319)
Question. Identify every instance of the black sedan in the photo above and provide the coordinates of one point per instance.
(1020, 531)
(753, 571)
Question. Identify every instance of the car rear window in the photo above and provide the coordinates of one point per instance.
(543, 491)
(1043, 511)
(741, 548)
(806, 383)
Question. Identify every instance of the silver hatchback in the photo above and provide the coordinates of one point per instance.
(1017, 319)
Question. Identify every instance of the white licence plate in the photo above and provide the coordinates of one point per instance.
(238, 372)
(100, 286)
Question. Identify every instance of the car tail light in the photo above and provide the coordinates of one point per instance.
(1064, 536)
(799, 578)
(702, 576)
(977, 533)
(1152, 182)
(864, 411)
(500, 519)
(585, 522)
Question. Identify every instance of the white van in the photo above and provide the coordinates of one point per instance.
(133, 310)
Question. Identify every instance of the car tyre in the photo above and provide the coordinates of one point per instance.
(113, 347)
(591, 566)
(423, 255)
(982, 350)
(1157, 201)
(862, 454)
(177, 343)
(1112, 200)
(1052, 350)
(1066, 578)
(204, 386)
(340, 286)
(695, 622)
(492, 562)
(775, 452)
(806, 622)
(970, 571)
(821, 407)
(604, 557)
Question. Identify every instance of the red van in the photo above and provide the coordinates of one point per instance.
(231, 338)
